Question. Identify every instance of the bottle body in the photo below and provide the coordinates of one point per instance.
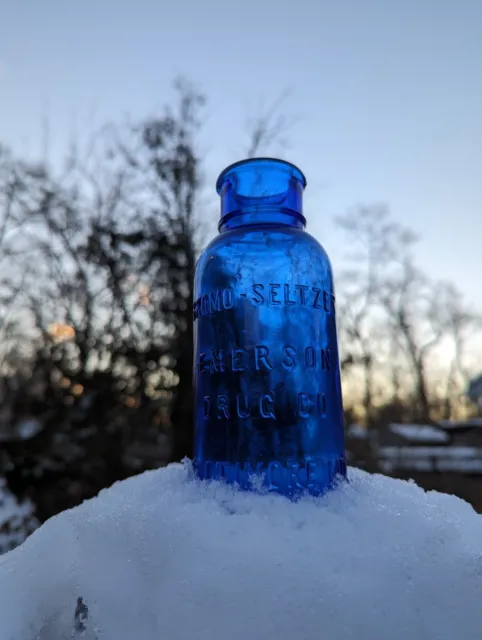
(266, 367)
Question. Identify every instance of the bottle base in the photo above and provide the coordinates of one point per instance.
(290, 478)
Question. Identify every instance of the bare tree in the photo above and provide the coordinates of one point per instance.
(160, 159)
(462, 323)
(411, 304)
(109, 291)
(390, 307)
(269, 127)
(378, 243)
(17, 180)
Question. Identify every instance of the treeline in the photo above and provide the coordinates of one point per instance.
(96, 308)
(409, 343)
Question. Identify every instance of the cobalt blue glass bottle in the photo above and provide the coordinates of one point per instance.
(266, 368)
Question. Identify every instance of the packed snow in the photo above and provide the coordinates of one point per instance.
(161, 556)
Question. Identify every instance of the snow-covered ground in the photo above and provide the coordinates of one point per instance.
(465, 460)
(419, 432)
(461, 424)
(161, 556)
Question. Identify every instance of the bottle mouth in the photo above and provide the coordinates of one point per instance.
(276, 173)
(258, 188)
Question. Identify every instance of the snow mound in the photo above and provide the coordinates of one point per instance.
(161, 556)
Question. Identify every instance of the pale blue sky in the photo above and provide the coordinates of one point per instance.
(388, 96)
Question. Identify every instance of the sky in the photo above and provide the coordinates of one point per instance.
(386, 97)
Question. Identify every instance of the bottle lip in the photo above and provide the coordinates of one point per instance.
(293, 169)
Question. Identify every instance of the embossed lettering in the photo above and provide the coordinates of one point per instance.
(258, 297)
(261, 358)
(228, 298)
(326, 301)
(214, 301)
(206, 469)
(242, 405)
(325, 360)
(292, 294)
(288, 300)
(274, 468)
(203, 365)
(274, 473)
(289, 361)
(302, 288)
(304, 405)
(266, 406)
(293, 470)
(239, 359)
(310, 357)
(207, 407)
(273, 294)
(293, 474)
(217, 360)
(247, 468)
(317, 301)
(321, 404)
(311, 473)
(223, 406)
(332, 298)
(222, 469)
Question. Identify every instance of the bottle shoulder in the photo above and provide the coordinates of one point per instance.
(266, 243)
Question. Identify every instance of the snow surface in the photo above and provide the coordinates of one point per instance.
(431, 452)
(431, 465)
(162, 557)
(419, 432)
(460, 459)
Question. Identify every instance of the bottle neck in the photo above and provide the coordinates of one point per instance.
(259, 192)
(261, 217)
